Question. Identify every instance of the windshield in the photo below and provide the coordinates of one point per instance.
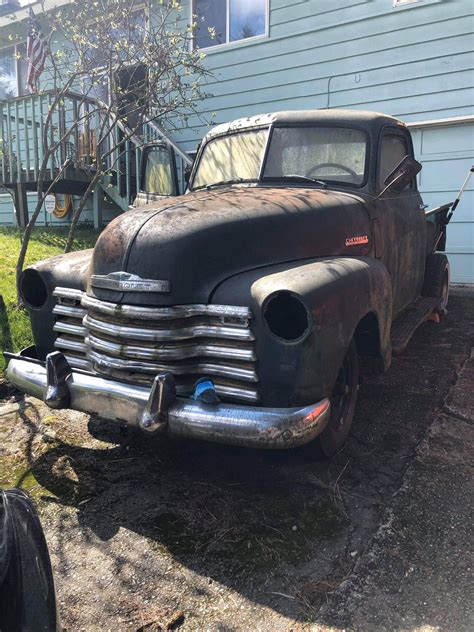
(322, 154)
(335, 154)
(234, 158)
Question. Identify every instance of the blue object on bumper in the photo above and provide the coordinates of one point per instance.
(205, 391)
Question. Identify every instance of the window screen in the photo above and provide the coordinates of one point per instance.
(211, 22)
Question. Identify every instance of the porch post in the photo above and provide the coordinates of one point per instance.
(97, 207)
(21, 205)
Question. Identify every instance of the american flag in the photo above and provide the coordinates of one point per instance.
(36, 51)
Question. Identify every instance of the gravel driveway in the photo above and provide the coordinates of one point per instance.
(154, 534)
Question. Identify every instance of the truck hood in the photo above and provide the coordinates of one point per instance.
(196, 241)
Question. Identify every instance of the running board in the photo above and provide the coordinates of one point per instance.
(405, 325)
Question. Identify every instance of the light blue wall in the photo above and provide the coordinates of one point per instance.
(8, 218)
(7, 214)
(414, 62)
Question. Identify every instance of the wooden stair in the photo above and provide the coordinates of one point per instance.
(405, 325)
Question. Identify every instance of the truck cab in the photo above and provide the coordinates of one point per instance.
(238, 312)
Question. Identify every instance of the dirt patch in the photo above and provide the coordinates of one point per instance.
(233, 539)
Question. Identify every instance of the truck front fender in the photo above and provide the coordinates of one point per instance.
(343, 297)
(36, 287)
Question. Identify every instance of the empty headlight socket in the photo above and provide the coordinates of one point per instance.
(286, 316)
(33, 289)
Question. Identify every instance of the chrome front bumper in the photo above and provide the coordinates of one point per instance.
(158, 409)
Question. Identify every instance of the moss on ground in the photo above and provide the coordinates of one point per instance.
(15, 472)
(253, 545)
(51, 474)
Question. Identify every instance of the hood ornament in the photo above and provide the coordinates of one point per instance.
(125, 282)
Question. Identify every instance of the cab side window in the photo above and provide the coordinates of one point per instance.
(392, 150)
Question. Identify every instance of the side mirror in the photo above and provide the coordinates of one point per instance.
(401, 176)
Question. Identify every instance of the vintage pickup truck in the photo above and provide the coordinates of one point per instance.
(238, 312)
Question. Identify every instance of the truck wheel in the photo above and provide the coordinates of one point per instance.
(437, 276)
(343, 403)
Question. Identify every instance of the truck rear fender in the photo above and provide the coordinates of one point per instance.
(304, 317)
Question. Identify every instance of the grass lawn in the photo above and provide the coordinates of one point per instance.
(15, 332)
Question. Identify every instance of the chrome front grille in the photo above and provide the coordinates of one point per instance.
(134, 343)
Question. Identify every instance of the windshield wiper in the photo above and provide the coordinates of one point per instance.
(294, 177)
(223, 183)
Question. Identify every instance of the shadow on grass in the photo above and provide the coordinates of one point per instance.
(85, 236)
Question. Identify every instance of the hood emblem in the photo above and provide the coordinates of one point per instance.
(125, 282)
(356, 241)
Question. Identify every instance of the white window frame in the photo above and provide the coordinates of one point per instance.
(228, 44)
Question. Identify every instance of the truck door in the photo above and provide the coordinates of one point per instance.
(402, 222)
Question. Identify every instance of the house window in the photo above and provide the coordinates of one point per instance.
(13, 68)
(224, 21)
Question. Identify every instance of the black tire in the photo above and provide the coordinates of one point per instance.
(27, 596)
(343, 403)
(437, 277)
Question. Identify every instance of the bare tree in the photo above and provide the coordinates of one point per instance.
(129, 64)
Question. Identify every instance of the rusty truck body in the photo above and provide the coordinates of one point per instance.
(301, 245)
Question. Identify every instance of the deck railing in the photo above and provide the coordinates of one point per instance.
(22, 151)
(22, 122)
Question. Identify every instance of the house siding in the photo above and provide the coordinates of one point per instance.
(7, 216)
(414, 62)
